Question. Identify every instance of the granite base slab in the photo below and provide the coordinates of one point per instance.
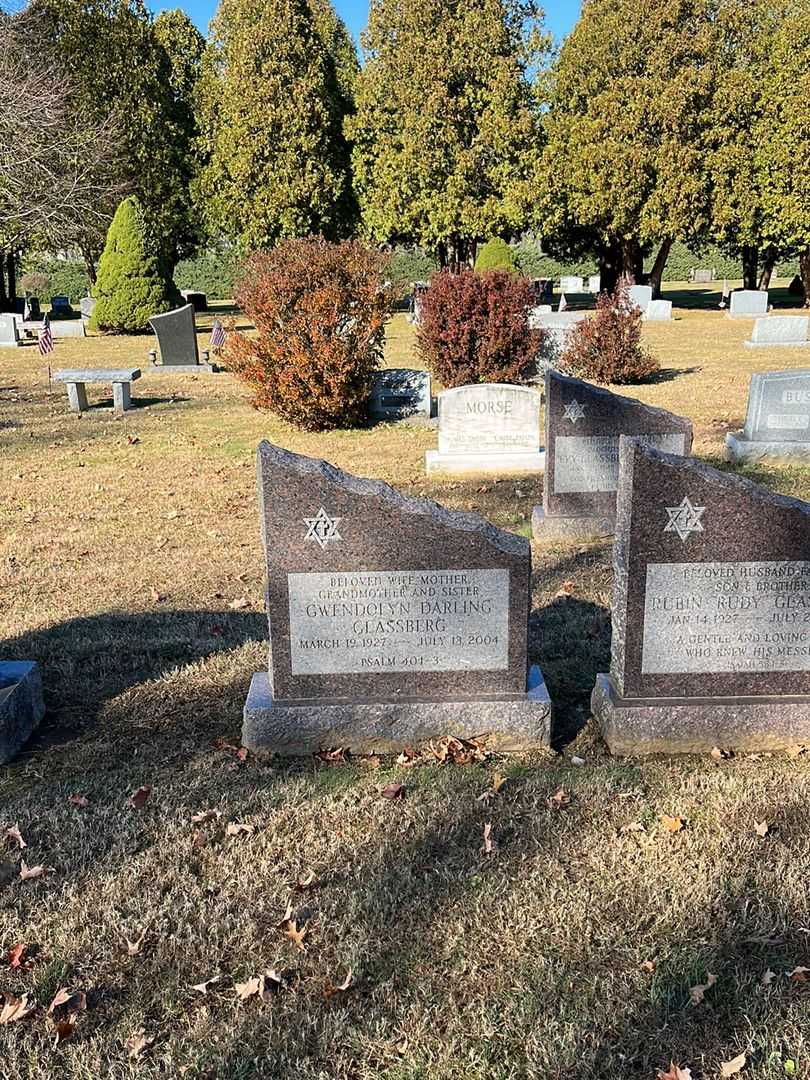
(499, 464)
(21, 705)
(510, 723)
(740, 449)
(632, 727)
(183, 369)
(560, 527)
(776, 344)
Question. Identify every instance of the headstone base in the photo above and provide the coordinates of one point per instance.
(558, 527)
(500, 464)
(183, 369)
(740, 449)
(21, 705)
(776, 344)
(511, 723)
(634, 727)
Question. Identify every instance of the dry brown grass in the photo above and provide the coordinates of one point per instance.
(125, 544)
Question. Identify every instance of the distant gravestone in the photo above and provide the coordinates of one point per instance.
(711, 647)
(595, 284)
(67, 328)
(535, 314)
(748, 304)
(60, 307)
(419, 290)
(776, 330)
(9, 336)
(702, 277)
(176, 333)
(399, 393)
(198, 300)
(87, 305)
(583, 425)
(558, 326)
(488, 428)
(641, 296)
(658, 311)
(777, 424)
(21, 705)
(392, 620)
(571, 284)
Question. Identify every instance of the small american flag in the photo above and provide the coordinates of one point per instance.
(217, 335)
(563, 304)
(45, 338)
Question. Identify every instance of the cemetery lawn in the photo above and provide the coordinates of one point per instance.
(131, 569)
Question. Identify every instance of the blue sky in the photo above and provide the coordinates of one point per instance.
(560, 14)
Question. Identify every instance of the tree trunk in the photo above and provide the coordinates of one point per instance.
(630, 260)
(3, 293)
(88, 257)
(768, 265)
(750, 261)
(657, 272)
(804, 271)
(441, 254)
(11, 276)
(609, 259)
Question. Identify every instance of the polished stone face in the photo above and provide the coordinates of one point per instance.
(376, 597)
(779, 406)
(748, 302)
(641, 296)
(8, 330)
(781, 330)
(398, 393)
(176, 336)
(583, 425)
(712, 583)
(658, 311)
(490, 418)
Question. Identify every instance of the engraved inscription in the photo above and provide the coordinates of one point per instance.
(591, 462)
(726, 617)
(791, 421)
(489, 419)
(393, 621)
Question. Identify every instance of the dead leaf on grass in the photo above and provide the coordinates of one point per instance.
(648, 966)
(799, 974)
(407, 757)
(489, 846)
(632, 826)
(304, 884)
(497, 783)
(140, 798)
(239, 604)
(559, 800)
(338, 755)
(393, 792)
(768, 977)
(27, 873)
(202, 988)
(206, 815)
(70, 1001)
(671, 824)
(675, 1072)
(16, 1008)
(696, 993)
(761, 828)
(240, 829)
(16, 955)
(138, 1043)
(330, 990)
(134, 947)
(64, 1029)
(78, 800)
(291, 929)
(262, 986)
(566, 589)
(731, 1068)
(13, 833)
(795, 751)
(718, 754)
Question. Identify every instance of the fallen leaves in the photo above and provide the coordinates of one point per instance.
(138, 1043)
(13, 833)
(205, 815)
(241, 753)
(64, 1013)
(761, 828)
(337, 755)
(79, 801)
(446, 751)
(671, 824)
(768, 976)
(16, 955)
(675, 1072)
(28, 873)
(203, 987)
(696, 993)
(330, 990)
(261, 986)
(497, 783)
(731, 1068)
(140, 798)
(489, 846)
(559, 800)
(393, 792)
(15, 1009)
(235, 828)
(134, 947)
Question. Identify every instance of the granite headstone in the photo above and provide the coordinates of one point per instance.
(60, 307)
(198, 300)
(21, 705)
(780, 330)
(392, 620)
(558, 326)
(641, 296)
(400, 393)
(777, 424)
(595, 284)
(711, 638)
(9, 335)
(702, 277)
(583, 425)
(748, 304)
(572, 284)
(176, 333)
(87, 305)
(488, 428)
(658, 311)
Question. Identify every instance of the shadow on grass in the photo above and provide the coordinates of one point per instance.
(664, 375)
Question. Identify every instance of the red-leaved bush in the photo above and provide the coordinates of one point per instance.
(607, 347)
(474, 328)
(320, 311)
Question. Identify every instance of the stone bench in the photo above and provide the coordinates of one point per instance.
(121, 379)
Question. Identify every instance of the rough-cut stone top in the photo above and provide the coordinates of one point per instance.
(372, 528)
(97, 375)
(678, 515)
(577, 410)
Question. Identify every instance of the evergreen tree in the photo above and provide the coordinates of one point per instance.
(275, 90)
(131, 284)
(495, 255)
(445, 134)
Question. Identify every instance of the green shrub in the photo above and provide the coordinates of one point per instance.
(211, 272)
(607, 347)
(407, 266)
(65, 277)
(495, 255)
(131, 284)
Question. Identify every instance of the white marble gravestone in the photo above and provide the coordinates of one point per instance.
(777, 424)
(488, 428)
(658, 311)
(748, 304)
(9, 337)
(595, 284)
(572, 284)
(641, 296)
(775, 330)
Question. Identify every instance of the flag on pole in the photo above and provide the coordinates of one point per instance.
(45, 338)
(217, 335)
(726, 293)
(563, 304)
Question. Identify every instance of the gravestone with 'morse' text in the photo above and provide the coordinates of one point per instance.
(488, 428)
(392, 620)
(711, 612)
(583, 425)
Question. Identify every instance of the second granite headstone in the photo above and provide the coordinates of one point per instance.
(777, 424)
(583, 425)
(711, 643)
(392, 620)
(400, 393)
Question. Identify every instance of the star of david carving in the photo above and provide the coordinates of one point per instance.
(685, 519)
(574, 411)
(322, 528)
